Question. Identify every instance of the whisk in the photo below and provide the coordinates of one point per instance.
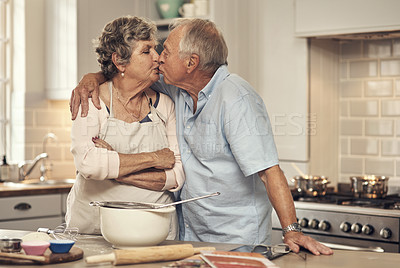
(61, 232)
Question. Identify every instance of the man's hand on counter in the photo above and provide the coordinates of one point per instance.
(295, 240)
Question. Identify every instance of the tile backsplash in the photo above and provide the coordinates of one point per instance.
(44, 116)
(370, 109)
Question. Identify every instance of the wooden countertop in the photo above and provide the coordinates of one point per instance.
(95, 245)
(7, 190)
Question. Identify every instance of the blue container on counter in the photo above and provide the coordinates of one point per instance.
(61, 246)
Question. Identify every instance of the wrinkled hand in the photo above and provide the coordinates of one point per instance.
(87, 88)
(165, 159)
(295, 239)
(99, 143)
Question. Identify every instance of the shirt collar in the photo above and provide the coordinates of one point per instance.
(221, 73)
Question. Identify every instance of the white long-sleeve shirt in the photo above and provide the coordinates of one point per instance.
(100, 164)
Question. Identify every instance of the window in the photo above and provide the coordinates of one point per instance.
(5, 75)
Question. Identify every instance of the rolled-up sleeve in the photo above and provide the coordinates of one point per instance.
(252, 129)
(91, 162)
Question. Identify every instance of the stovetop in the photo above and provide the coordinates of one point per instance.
(342, 218)
(347, 199)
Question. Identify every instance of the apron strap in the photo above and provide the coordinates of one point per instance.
(104, 134)
(154, 112)
(156, 115)
(110, 86)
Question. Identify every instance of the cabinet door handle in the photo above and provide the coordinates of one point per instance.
(22, 206)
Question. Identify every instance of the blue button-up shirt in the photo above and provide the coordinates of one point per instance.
(223, 145)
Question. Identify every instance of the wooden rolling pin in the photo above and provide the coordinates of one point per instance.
(23, 256)
(148, 254)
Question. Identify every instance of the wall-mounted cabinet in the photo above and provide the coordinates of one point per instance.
(264, 50)
(327, 17)
(60, 48)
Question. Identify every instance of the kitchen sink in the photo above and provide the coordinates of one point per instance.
(34, 182)
(49, 182)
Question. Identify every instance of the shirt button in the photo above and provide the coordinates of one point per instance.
(188, 127)
(187, 225)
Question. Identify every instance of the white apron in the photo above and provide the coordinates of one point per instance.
(128, 138)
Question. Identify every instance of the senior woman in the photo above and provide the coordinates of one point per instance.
(128, 150)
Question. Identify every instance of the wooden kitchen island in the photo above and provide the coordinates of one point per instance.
(96, 245)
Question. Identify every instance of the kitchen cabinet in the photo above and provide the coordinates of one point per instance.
(264, 51)
(326, 17)
(31, 212)
(60, 48)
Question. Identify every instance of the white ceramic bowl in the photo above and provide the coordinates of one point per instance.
(125, 228)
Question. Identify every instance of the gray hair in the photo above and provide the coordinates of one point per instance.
(202, 37)
(121, 36)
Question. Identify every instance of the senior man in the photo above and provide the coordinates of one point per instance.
(226, 143)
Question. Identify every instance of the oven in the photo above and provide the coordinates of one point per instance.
(343, 221)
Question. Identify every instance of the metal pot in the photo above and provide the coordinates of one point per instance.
(369, 186)
(310, 185)
(10, 245)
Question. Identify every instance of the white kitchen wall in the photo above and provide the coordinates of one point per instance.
(93, 15)
(264, 51)
(33, 116)
(370, 109)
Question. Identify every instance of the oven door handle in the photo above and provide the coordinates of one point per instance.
(346, 247)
